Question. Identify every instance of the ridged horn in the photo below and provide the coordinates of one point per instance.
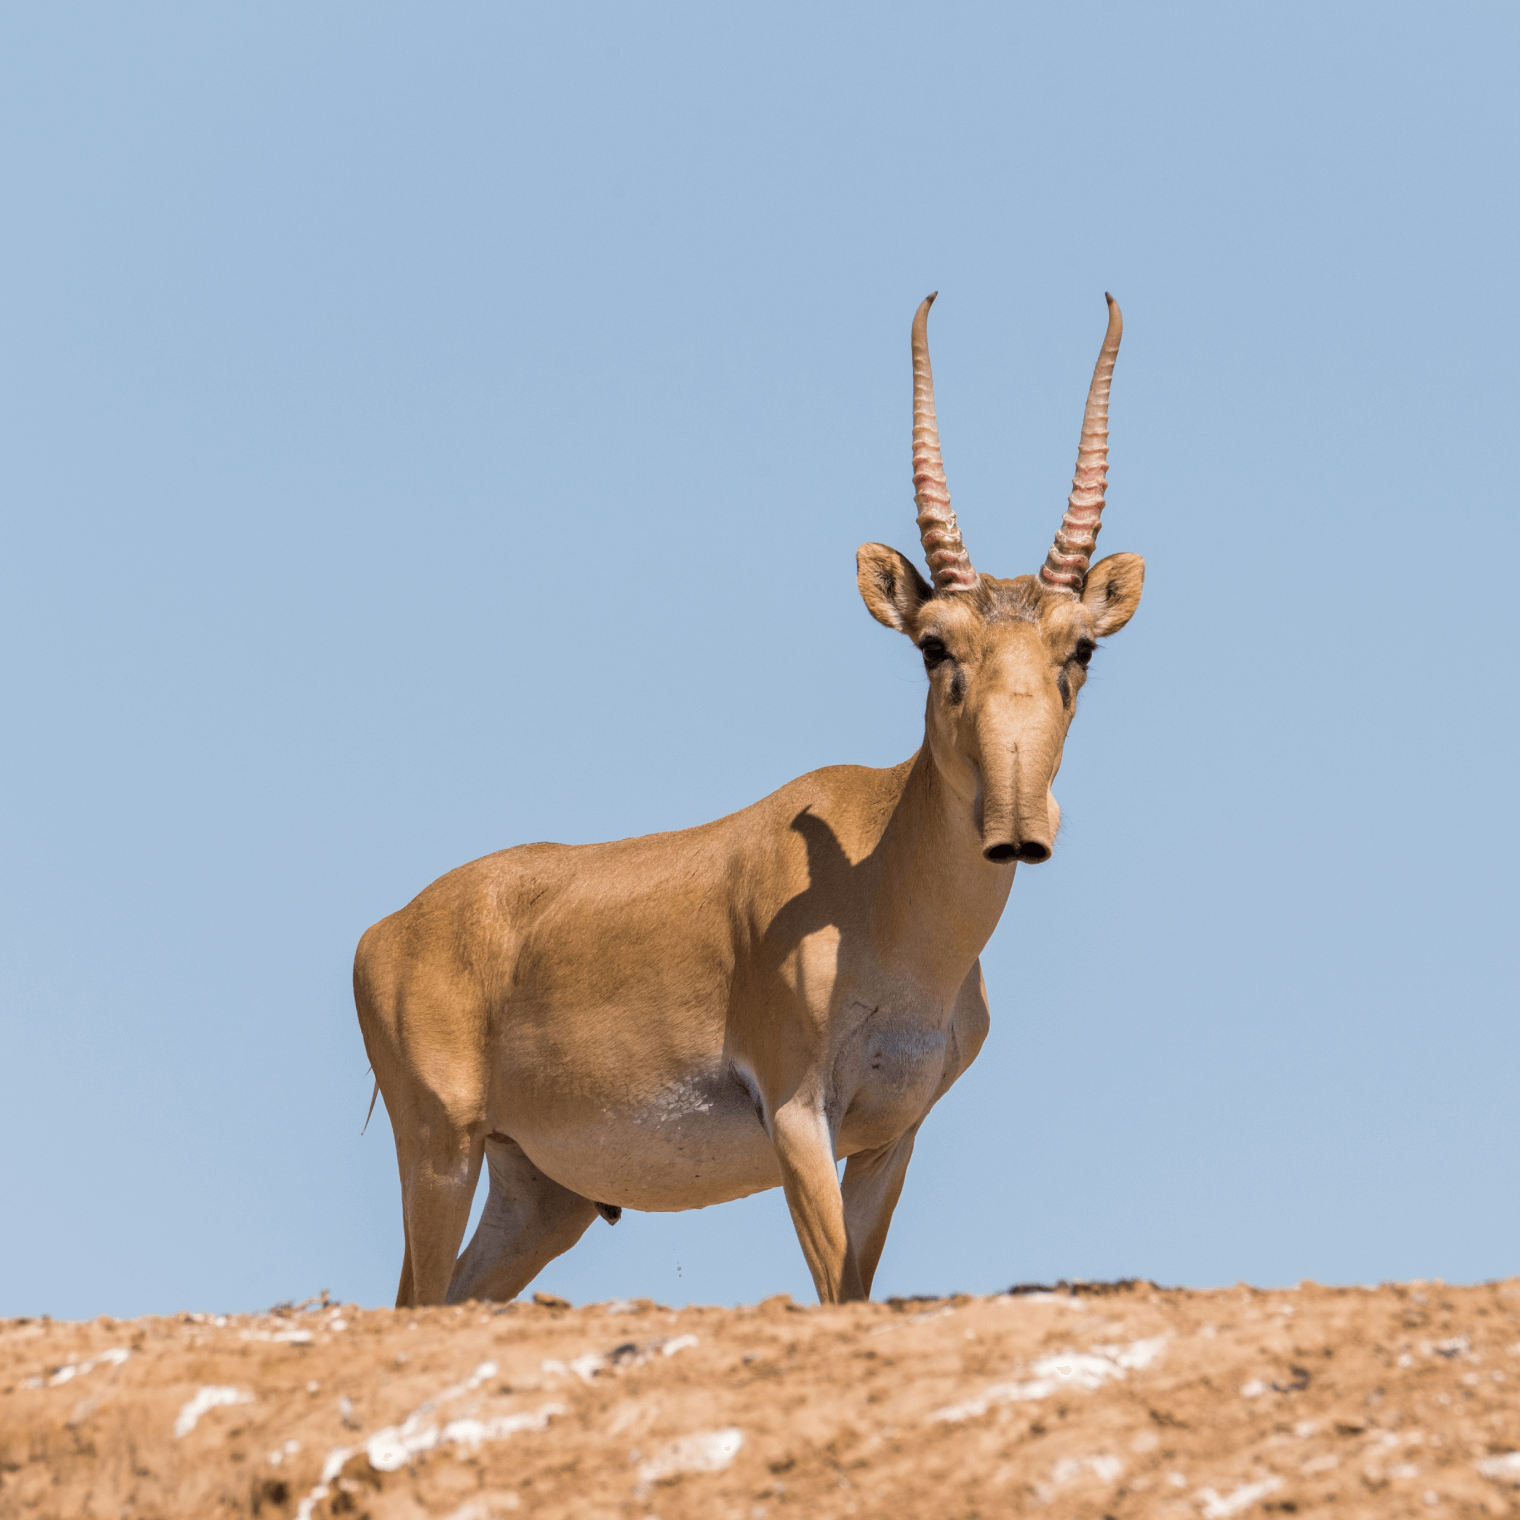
(944, 549)
(1065, 567)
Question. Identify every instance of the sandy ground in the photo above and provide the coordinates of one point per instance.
(1120, 1401)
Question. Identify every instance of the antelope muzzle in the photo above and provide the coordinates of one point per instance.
(1016, 824)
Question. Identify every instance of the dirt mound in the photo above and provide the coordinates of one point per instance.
(1122, 1400)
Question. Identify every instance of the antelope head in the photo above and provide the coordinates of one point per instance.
(1005, 658)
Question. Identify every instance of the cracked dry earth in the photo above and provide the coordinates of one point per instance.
(1121, 1400)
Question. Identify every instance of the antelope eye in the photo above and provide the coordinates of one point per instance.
(1083, 652)
(934, 652)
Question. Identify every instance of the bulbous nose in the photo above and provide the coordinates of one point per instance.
(1030, 853)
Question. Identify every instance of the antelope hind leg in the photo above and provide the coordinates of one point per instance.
(529, 1219)
(440, 1164)
(873, 1183)
(805, 1152)
(404, 1291)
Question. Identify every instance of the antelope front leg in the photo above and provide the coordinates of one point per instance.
(805, 1152)
(872, 1185)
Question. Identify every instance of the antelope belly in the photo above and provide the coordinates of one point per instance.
(690, 1142)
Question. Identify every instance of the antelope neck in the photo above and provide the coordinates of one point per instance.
(938, 900)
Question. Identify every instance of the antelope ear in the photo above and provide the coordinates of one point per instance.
(1112, 591)
(892, 589)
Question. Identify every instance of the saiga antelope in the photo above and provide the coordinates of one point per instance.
(673, 1021)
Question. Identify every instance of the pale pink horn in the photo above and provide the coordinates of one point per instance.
(949, 563)
(1065, 567)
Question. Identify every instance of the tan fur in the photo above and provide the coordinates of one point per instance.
(668, 1022)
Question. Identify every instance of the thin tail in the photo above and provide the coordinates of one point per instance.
(371, 1114)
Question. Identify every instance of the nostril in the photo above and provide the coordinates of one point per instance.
(1029, 853)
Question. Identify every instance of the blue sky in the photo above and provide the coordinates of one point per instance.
(424, 430)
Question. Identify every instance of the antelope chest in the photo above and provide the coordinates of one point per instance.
(885, 1077)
